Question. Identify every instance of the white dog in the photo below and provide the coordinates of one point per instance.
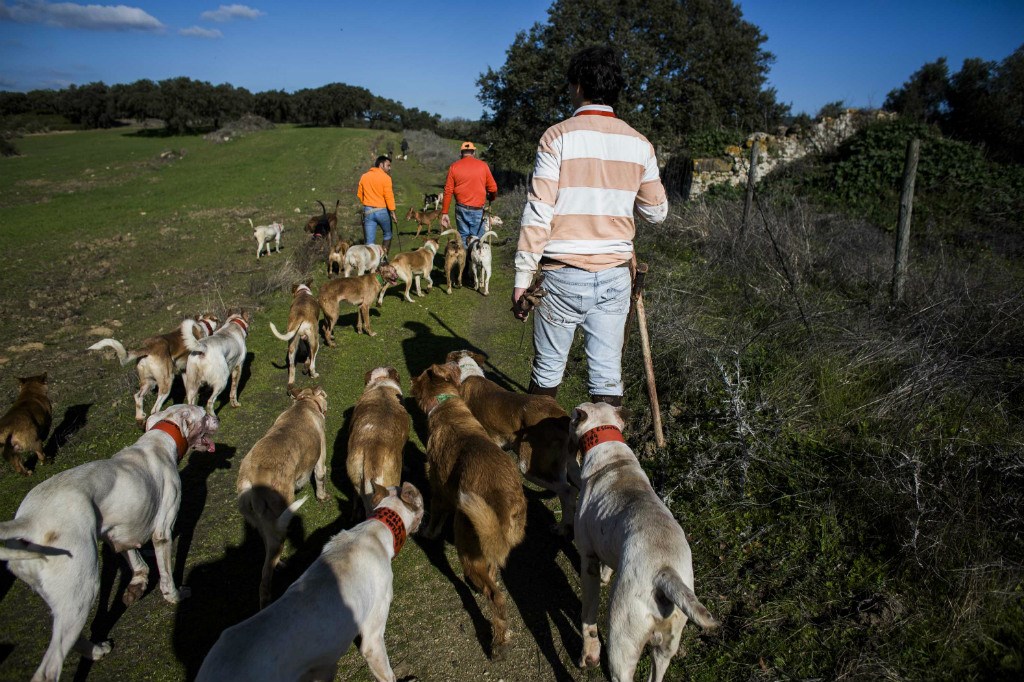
(215, 359)
(346, 592)
(623, 525)
(362, 258)
(264, 234)
(125, 500)
(480, 258)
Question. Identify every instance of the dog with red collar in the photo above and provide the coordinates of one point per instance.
(623, 526)
(215, 359)
(346, 592)
(159, 359)
(126, 501)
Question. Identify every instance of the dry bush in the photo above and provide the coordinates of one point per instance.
(306, 258)
(434, 152)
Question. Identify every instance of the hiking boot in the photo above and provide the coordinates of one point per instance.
(386, 245)
(534, 389)
(613, 400)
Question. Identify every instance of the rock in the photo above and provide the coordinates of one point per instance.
(101, 331)
(24, 348)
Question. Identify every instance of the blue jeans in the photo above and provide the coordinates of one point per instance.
(597, 301)
(469, 221)
(372, 217)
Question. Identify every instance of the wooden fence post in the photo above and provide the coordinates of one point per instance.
(751, 174)
(899, 268)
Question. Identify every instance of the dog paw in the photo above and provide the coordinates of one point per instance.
(235, 403)
(177, 595)
(133, 593)
(100, 650)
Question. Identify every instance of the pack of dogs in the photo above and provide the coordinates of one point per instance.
(484, 442)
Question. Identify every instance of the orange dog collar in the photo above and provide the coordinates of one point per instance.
(393, 520)
(598, 435)
(172, 430)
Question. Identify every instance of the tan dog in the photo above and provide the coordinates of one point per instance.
(379, 432)
(359, 291)
(535, 427)
(336, 257)
(160, 359)
(303, 323)
(471, 476)
(25, 426)
(623, 525)
(277, 466)
(345, 593)
(423, 218)
(411, 265)
(454, 254)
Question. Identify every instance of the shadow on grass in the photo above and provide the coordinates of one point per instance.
(75, 417)
(497, 375)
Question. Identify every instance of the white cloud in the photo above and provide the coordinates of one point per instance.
(231, 12)
(71, 15)
(200, 32)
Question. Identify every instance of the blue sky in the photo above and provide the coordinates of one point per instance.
(429, 55)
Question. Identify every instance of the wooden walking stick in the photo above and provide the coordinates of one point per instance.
(636, 309)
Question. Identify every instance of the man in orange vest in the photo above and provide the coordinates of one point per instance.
(471, 183)
(378, 198)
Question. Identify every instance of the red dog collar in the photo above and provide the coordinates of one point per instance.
(172, 430)
(390, 518)
(598, 435)
(241, 323)
(208, 325)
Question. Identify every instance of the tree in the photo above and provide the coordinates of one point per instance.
(689, 65)
(923, 98)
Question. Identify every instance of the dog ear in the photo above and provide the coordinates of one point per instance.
(393, 374)
(579, 414)
(479, 358)
(624, 414)
(411, 496)
(366, 377)
(379, 493)
(294, 392)
(449, 372)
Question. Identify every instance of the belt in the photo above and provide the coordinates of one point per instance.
(472, 208)
(545, 261)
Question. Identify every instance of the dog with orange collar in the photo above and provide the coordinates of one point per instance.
(215, 359)
(623, 526)
(346, 592)
(126, 501)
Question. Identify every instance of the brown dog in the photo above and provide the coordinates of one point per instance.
(336, 257)
(359, 291)
(423, 218)
(276, 467)
(27, 423)
(471, 476)
(454, 254)
(303, 322)
(535, 427)
(411, 265)
(160, 359)
(325, 225)
(379, 432)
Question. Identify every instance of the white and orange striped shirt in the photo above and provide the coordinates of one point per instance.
(592, 171)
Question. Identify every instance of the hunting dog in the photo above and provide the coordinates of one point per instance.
(24, 427)
(480, 258)
(432, 200)
(279, 465)
(215, 359)
(126, 501)
(160, 359)
(621, 524)
(411, 265)
(345, 593)
(359, 291)
(336, 257)
(264, 234)
(362, 258)
(470, 476)
(303, 323)
(325, 225)
(534, 427)
(454, 254)
(378, 434)
(423, 218)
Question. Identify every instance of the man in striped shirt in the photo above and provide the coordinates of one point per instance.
(592, 173)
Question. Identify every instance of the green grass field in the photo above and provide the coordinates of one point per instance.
(103, 237)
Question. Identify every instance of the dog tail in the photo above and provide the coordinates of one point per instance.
(286, 516)
(283, 337)
(191, 343)
(487, 234)
(251, 226)
(123, 356)
(496, 541)
(669, 586)
(14, 546)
